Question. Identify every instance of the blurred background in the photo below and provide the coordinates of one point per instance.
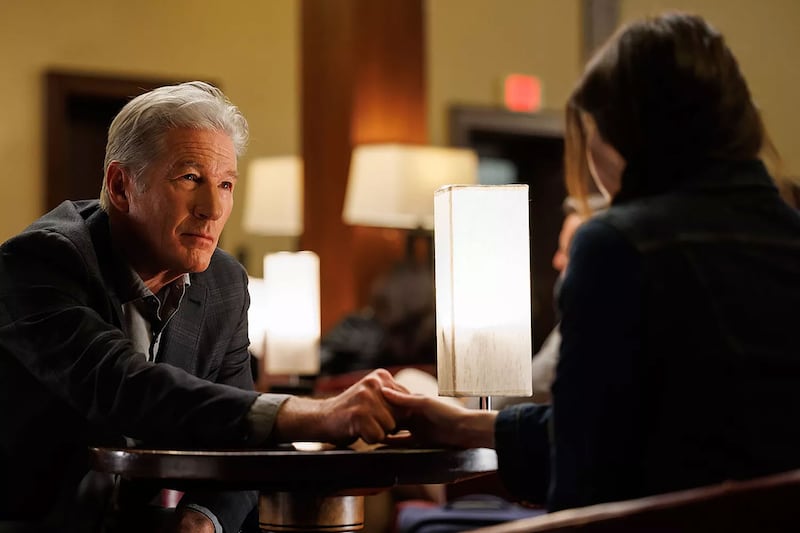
(315, 78)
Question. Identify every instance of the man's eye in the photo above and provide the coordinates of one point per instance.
(227, 185)
(191, 177)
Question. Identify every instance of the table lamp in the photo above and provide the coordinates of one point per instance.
(284, 314)
(274, 202)
(291, 313)
(392, 185)
(483, 296)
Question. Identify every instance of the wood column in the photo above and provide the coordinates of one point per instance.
(363, 81)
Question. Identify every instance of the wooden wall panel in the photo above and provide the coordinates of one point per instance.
(362, 81)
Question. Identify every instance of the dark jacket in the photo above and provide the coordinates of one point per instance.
(69, 377)
(679, 363)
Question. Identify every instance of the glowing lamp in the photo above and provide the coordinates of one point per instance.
(483, 290)
(291, 313)
(391, 185)
(274, 201)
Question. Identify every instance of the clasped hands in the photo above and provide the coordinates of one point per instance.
(374, 409)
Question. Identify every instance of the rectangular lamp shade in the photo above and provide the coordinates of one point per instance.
(273, 204)
(483, 290)
(392, 185)
(291, 313)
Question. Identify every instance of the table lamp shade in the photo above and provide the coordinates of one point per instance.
(392, 185)
(291, 313)
(483, 303)
(273, 203)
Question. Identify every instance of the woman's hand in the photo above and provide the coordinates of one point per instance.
(434, 422)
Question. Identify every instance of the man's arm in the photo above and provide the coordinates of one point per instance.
(58, 322)
(361, 411)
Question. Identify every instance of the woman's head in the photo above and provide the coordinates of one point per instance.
(664, 92)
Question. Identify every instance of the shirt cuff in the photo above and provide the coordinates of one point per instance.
(261, 417)
(211, 516)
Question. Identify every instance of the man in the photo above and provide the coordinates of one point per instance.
(121, 321)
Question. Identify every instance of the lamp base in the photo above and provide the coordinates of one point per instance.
(292, 512)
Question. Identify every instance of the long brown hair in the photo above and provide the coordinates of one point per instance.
(667, 93)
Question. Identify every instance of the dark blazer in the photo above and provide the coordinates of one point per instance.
(69, 377)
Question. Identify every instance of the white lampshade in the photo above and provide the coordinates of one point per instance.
(291, 313)
(392, 185)
(274, 201)
(483, 296)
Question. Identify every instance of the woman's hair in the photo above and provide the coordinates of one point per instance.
(135, 137)
(665, 92)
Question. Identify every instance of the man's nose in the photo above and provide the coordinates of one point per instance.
(209, 204)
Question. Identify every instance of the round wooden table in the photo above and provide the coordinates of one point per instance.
(299, 490)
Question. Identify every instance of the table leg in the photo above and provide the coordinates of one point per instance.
(309, 511)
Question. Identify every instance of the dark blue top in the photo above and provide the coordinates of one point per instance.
(679, 365)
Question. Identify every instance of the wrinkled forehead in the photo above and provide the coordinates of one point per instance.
(196, 146)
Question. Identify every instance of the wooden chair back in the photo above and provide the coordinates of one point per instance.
(764, 505)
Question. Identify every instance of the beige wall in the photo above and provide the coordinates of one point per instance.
(764, 37)
(248, 47)
(473, 44)
(251, 48)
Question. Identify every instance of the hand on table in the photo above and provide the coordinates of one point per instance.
(432, 421)
(359, 412)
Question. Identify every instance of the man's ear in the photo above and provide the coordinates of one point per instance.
(118, 185)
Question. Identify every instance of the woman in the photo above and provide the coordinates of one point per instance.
(679, 366)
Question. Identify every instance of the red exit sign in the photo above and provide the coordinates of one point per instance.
(522, 93)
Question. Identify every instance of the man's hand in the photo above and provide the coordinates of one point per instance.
(359, 412)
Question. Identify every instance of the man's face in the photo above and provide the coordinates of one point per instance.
(186, 200)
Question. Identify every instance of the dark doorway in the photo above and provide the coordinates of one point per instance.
(523, 148)
(79, 110)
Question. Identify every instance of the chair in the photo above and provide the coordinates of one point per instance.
(764, 505)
